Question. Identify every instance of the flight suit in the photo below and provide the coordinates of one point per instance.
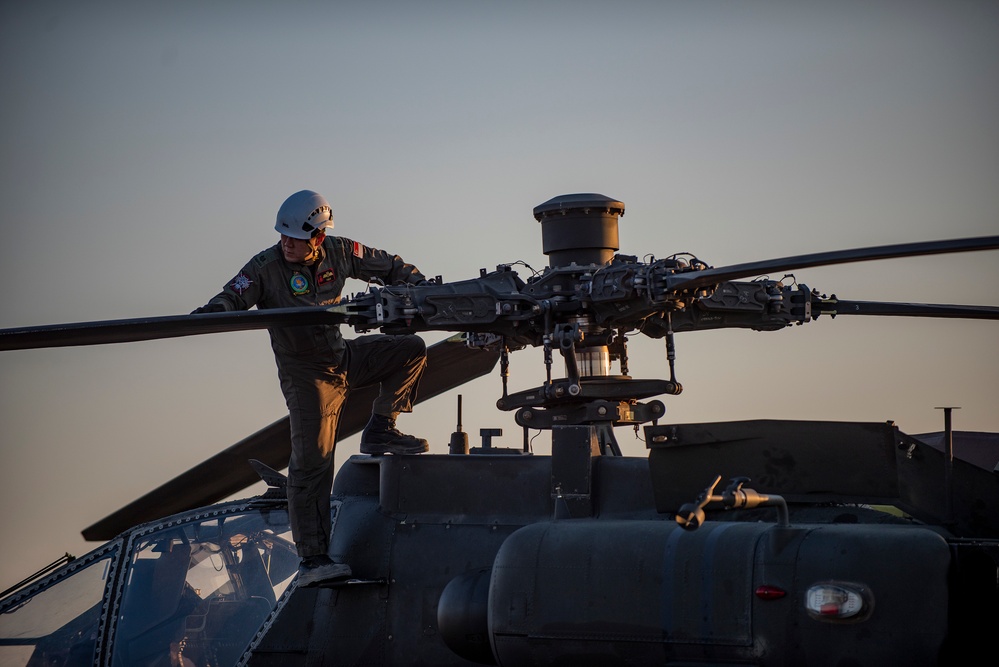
(317, 366)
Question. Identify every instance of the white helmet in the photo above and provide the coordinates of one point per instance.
(303, 215)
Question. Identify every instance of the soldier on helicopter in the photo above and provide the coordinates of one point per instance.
(317, 367)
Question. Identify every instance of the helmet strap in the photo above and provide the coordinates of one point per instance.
(317, 243)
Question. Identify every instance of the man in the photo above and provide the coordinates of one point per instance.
(318, 367)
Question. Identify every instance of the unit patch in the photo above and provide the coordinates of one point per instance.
(326, 276)
(299, 284)
(240, 283)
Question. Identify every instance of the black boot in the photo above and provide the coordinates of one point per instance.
(318, 570)
(381, 436)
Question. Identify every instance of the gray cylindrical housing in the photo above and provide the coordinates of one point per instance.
(630, 592)
(580, 228)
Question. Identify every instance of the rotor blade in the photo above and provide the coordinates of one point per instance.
(713, 276)
(834, 307)
(450, 363)
(153, 328)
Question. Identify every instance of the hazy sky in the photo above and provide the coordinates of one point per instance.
(146, 147)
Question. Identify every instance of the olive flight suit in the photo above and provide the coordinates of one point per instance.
(317, 366)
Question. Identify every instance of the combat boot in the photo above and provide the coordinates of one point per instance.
(318, 570)
(381, 436)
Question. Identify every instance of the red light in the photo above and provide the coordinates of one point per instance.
(768, 592)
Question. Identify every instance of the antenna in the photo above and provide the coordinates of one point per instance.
(949, 461)
(459, 439)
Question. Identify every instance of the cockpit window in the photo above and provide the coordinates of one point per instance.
(195, 594)
(59, 624)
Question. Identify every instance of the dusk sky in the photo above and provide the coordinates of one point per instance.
(146, 147)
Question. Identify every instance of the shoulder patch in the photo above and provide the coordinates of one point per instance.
(240, 283)
(358, 250)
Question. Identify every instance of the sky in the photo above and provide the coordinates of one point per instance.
(146, 147)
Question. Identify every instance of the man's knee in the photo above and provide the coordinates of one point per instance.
(415, 345)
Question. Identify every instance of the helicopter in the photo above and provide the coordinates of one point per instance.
(761, 542)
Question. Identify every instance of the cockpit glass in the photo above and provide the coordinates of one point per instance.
(195, 594)
(59, 624)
